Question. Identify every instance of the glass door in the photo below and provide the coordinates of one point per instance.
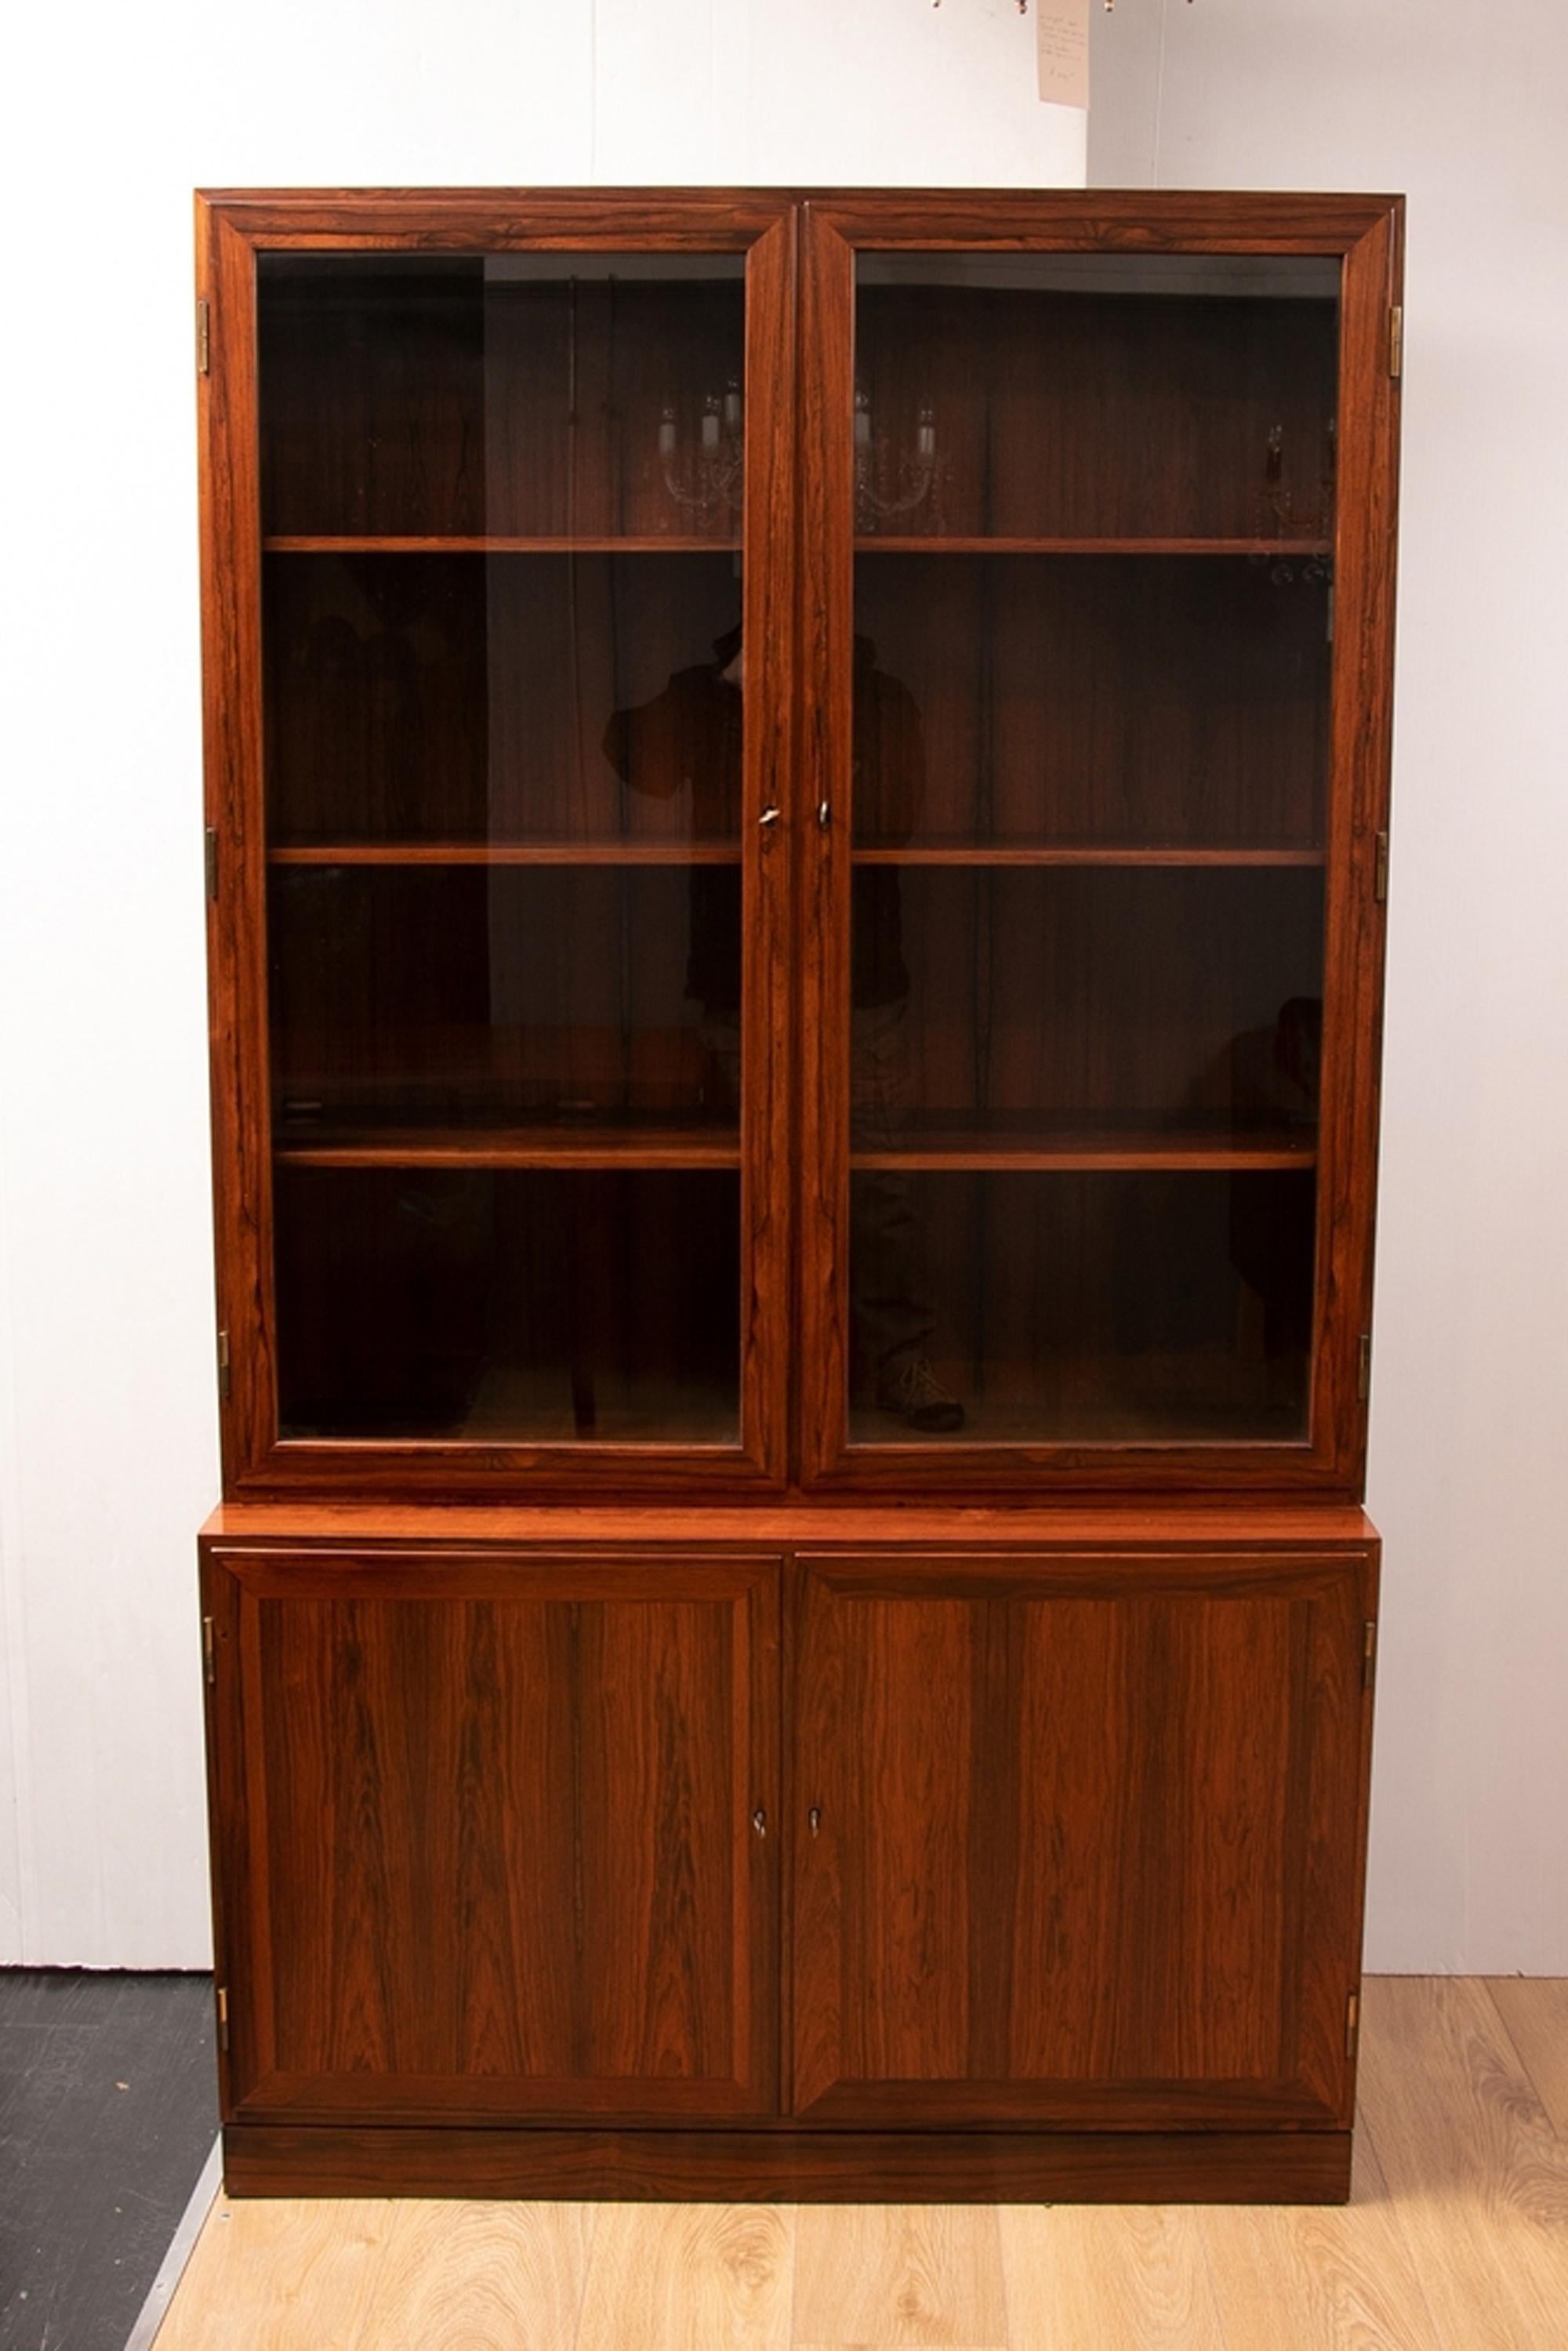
(522, 876)
(1080, 517)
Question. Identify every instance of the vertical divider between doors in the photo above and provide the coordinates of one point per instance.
(768, 852)
(827, 594)
(767, 856)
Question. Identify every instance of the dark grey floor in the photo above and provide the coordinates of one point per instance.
(107, 2110)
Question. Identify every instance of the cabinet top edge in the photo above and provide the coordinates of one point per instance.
(673, 192)
(1141, 221)
(1240, 1526)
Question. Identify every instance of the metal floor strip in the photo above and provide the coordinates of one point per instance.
(172, 2266)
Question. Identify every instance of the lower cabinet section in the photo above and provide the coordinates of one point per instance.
(876, 1872)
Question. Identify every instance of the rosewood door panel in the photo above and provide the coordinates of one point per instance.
(1077, 1838)
(487, 1836)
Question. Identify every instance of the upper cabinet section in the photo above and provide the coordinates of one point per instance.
(796, 788)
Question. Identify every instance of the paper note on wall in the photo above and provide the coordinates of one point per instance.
(1062, 40)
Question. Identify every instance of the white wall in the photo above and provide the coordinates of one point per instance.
(107, 1447)
(1464, 111)
(107, 1441)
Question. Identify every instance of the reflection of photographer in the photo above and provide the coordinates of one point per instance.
(690, 736)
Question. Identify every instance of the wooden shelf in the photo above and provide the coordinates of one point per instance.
(1049, 854)
(588, 1148)
(1089, 1147)
(508, 852)
(584, 543)
(392, 543)
(1097, 1404)
(932, 544)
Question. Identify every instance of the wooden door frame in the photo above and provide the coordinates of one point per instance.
(1365, 232)
(232, 228)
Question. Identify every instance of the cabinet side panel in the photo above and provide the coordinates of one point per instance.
(1361, 728)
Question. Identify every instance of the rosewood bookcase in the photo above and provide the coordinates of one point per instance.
(797, 803)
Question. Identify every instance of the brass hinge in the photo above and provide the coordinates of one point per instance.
(204, 336)
(1364, 1367)
(223, 1992)
(210, 851)
(1380, 871)
(1368, 1652)
(1396, 339)
(1352, 2022)
(210, 1648)
(224, 1377)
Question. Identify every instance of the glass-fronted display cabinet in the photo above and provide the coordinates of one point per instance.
(797, 832)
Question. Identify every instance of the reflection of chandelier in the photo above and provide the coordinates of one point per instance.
(1280, 517)
(891, 483)
(707, 480)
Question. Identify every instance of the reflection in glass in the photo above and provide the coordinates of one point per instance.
(466, 699)
(1115, 1306)
(468, 996)
(1040, 996)
(1100, 396)
(523, 395)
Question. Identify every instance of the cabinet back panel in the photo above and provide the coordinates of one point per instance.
(1097, 413)
(465, 995)
(1121, 701)
(493, 1308)
(473, 395)
(1164, 992)
(1095, 1308)
(471, 697)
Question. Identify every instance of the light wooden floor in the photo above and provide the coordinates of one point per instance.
(1456, 2240)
